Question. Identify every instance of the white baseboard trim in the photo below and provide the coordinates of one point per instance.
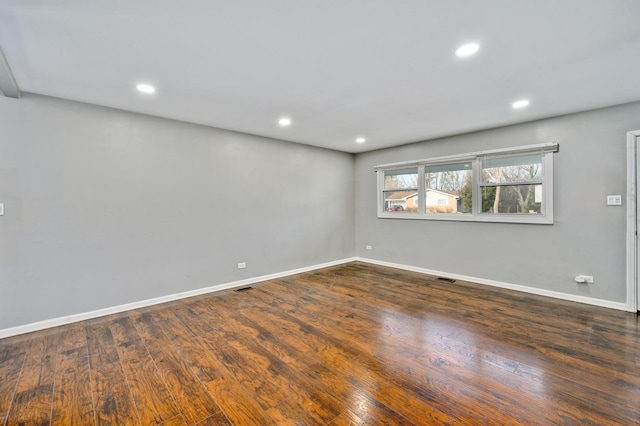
(41, 325)
(525, 289)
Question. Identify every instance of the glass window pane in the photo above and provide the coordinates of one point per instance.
(400, 201)
(515, 199)
(514, 169)
(448, 188)
(401, 178)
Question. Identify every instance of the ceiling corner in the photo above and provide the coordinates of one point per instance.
(8, 84)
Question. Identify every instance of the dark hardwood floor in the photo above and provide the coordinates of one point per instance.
(348, 345)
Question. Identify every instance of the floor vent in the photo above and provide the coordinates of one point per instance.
(243, 289)
(449, 280)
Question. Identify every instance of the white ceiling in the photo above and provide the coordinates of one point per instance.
(382, 69)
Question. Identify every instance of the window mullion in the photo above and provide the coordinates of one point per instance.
(476, 177)
(422, 199)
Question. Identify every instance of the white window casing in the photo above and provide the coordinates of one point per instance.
(540, 185)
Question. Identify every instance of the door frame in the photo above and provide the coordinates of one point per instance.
(632, 237)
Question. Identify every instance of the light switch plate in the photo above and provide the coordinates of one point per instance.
(614, 200)
(1, 209)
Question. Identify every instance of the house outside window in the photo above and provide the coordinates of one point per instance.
(399, 185)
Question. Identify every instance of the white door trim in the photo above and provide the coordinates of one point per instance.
(632, 298)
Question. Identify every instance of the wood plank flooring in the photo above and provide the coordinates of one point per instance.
(353, 344)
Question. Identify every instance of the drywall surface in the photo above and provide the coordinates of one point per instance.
(588, 237)
(105, 207)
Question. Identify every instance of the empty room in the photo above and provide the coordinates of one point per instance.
(319, 213)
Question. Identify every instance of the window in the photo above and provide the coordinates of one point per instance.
(509, 185)
(400, 190)
(512, 184)
(445, 186)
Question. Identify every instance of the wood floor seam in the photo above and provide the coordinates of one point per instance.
(92, 393)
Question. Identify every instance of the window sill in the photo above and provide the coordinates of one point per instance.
(536, 219)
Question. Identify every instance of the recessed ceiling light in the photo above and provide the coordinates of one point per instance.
(522, 103)
(467, 50)
(361, 140)
(284, 121)
(146, 88)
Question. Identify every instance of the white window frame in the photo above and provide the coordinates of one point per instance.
(545, 217)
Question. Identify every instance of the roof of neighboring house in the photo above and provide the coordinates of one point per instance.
(401, 195)
(447, 193)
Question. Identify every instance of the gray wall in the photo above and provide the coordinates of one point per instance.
(105, 207)
(587, 237)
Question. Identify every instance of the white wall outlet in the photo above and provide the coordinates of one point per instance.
(242, 265)
(1, 209)
(585, 279)
(614, 200)
(368, 247)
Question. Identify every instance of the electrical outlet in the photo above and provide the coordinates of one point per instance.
(584, 279)
(242, 265)
(369, 247)
(1, 209)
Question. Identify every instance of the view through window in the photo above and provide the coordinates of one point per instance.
(448, 188)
